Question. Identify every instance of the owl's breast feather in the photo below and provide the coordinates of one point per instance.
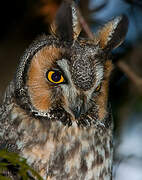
(60, 152)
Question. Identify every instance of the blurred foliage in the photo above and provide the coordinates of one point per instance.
(16, 166)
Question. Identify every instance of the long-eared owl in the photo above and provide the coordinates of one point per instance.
(55, 111)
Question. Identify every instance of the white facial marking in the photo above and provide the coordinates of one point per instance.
(99, 74)
(69, 89)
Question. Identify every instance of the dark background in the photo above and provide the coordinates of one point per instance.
(22, 21)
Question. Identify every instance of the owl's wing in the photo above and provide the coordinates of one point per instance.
(5, 119)
(10, 162)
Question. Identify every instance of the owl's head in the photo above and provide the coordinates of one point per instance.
(64, 77)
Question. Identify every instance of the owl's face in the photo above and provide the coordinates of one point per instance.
(71, 79)
(66, 78)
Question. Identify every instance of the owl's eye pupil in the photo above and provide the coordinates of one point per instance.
(56, 76)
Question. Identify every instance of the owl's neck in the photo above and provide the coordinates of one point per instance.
(63, 152)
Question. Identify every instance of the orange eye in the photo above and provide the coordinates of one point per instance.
(55, 77)
(98, 88)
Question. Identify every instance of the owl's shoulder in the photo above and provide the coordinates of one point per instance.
(7, 101)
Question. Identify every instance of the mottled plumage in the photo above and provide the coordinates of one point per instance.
(55, 112)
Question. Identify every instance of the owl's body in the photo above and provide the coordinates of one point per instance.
(56, 112)
(61, 152)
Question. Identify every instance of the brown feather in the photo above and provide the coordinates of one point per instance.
(38, 87)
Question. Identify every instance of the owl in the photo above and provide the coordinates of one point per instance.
(55, 112)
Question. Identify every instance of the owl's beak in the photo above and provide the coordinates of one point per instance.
(76, 111)
(78, 108)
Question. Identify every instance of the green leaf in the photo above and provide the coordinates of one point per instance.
(17, 162)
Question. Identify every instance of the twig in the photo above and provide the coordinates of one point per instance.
(130, 74)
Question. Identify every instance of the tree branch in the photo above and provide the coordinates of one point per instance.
(137, 80)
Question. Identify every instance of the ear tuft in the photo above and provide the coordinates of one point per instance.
(75, 20)
(62, 24)
(113, 33)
